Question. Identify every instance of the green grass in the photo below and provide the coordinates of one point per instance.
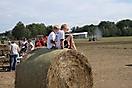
(81, 40)
(121, 46)
(105, 39)
(117, 39)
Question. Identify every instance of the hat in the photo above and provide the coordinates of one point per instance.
(64, 26)
(56, 27)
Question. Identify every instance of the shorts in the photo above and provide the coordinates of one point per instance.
(66, 44)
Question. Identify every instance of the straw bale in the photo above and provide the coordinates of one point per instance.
(3, 49)
(44, 68)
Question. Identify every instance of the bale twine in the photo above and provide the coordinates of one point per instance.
(44, 68)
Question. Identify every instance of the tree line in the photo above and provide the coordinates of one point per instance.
(29, 31)
(107, 28)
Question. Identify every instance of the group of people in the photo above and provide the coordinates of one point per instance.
(57, 40)
(26, 46)
(19, 49)
(42, 41)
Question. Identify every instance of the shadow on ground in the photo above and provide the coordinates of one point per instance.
(128, 65)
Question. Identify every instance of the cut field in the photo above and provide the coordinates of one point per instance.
(112, 67)
(111, 60)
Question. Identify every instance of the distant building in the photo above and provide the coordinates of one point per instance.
(79, 35)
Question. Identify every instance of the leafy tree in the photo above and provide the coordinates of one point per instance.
(19, 31)
(73, 29)
(42, 29)
(106, 32)
(85, 28)
(36, 29)
(33, 29)
(77, 29)
(8, 34)
(27, 33)
(125, 26)
(129, 31)
(91, 29)
(109, 29)
(48, 30)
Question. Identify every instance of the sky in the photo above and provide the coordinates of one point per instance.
(72, 12)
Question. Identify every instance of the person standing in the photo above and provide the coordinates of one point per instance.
(51, 43)
(61, 41)
(14, 52)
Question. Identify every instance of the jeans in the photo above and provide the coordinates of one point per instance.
(13, 62)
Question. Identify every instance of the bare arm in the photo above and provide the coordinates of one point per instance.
(18, 50)
(9, 49)
(54, 43)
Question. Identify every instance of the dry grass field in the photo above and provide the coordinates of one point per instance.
(111, 63)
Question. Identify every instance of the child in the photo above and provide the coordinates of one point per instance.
(51, 44)
(61, 41)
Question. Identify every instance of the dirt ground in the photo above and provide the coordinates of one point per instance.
(111, 65)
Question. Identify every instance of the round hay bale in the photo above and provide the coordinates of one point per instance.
(44, 68)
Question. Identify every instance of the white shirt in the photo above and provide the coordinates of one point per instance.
(51, 36)
(60, 35)
(29, 46)
(23, 43)
(14, 49)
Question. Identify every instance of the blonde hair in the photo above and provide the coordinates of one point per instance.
(64, 26)
(56, 27)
